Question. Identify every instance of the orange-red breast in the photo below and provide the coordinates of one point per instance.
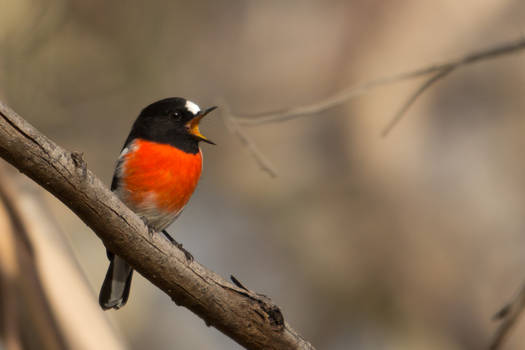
(156, 174)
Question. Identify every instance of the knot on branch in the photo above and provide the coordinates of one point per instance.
(271, 312)
(80, 163)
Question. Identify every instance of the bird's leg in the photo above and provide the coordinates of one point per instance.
(188, 255)
(167, 235)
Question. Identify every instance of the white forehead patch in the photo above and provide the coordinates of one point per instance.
(192, 107)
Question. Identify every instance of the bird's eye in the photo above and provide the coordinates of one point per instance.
(176, 116)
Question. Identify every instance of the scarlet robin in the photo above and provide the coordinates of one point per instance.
(156, 174)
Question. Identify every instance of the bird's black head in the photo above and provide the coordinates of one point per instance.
(173, 121)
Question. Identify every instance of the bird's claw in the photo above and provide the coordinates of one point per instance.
(187, 254)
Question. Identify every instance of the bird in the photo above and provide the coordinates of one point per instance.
(156, 173)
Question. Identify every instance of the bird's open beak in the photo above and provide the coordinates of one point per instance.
(193, 125)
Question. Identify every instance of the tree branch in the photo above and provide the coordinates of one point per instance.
(250, 319)
(438, 71)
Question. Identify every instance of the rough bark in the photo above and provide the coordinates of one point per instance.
(250, 319)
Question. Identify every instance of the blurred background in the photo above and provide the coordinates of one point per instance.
(412, 241)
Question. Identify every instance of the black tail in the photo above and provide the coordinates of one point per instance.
(115, 289)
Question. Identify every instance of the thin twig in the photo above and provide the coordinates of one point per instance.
(233, 126)
(413, 97)
(508, 316)
(355, 91)
(234, 122)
